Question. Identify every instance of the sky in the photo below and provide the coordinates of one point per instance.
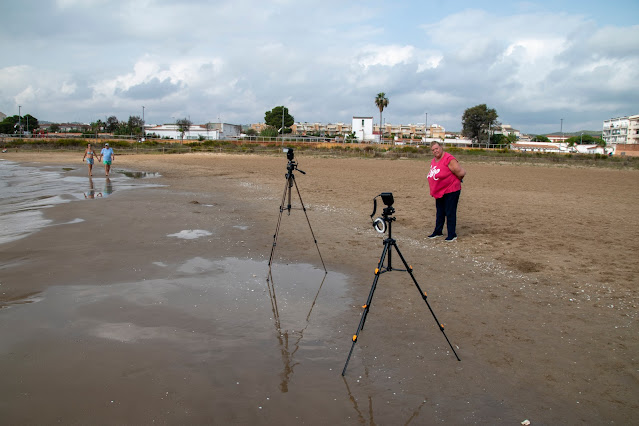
(544, 66)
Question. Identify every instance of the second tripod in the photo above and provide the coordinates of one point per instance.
(286, 201)
(381, 225)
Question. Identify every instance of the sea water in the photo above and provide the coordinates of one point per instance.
(26, 190)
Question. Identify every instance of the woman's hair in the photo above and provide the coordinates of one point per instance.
(433, 143)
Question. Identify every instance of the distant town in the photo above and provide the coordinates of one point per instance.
(620, 135)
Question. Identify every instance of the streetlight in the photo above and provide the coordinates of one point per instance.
(562, 130)
(20, 119)
(425, 125)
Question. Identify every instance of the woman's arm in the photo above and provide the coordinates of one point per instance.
(456, 169)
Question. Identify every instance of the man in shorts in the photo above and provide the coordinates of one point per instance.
(106, 156)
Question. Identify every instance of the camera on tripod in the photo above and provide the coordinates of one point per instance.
(289, 153)
(380, 223)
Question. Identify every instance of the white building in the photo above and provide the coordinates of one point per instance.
(212, 131)
(363, 128)
(615, 130)
(633, 129)
(507, 130)
(529, 146)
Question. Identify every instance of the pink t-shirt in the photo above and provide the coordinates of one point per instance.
(440, 179)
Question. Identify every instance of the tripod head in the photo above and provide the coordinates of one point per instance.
(292, 164)
(380, 223)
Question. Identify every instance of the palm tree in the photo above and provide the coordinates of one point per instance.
(382, 102)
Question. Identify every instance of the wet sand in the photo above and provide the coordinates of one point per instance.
(112, 320)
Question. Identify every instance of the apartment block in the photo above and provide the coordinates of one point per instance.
(617, 130)
(633, 129)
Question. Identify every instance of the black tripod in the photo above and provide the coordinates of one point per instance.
(290, 181)
(381, 225)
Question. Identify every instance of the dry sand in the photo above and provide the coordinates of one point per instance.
(538, 296)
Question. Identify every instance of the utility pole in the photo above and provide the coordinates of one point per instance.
(425, 125)
(282, 125)
(20, 119)
(562, 130)
(143, 132)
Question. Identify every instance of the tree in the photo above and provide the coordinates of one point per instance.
(274, 118)
(96, 126)
(112, 124)
(477, 121)
(183, 126)
(382, 102)
(30, 123)
(586, 140)
(9, 125)
(250, 132)
(540, 138)
(135, 125)
(54, 127)
(269, 132)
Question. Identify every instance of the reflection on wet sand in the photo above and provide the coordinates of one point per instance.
(371, 419)
(108, 187)
(283, 335)
(90, 194)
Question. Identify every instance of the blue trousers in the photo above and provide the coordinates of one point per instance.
(447, 210)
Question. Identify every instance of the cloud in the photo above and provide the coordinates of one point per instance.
(238, 59)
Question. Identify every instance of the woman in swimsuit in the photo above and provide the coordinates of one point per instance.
(88, 154)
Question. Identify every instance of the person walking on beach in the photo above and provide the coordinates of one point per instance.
(444, 179)
(106, 156)
(88, 155)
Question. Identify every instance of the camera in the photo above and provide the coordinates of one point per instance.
(289, 153)
(380, 223)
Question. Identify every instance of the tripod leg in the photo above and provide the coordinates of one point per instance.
(409, 269)
(309, 222)
(290, 179)
(287, 188)
(367, 306)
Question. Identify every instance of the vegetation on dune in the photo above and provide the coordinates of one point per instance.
(421, 152)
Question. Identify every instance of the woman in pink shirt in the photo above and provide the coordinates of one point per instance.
(444, 179)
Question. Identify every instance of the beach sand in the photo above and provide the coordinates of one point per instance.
(117, 319)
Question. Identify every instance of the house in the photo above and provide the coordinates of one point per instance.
(363, 129)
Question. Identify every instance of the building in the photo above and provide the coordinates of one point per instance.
(209, 131)
(529, 146)
(633, 129)
(319, 129)
(363, 129)
(507, 130)
(616, 130)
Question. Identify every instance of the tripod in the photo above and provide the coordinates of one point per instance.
(381, 224)
(290, 182)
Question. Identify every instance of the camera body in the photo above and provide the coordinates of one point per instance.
(289, 153)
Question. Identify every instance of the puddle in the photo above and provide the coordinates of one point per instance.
(138, 175)
(26, 190)
(68, 169)
(241, 227)
(210, 312)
